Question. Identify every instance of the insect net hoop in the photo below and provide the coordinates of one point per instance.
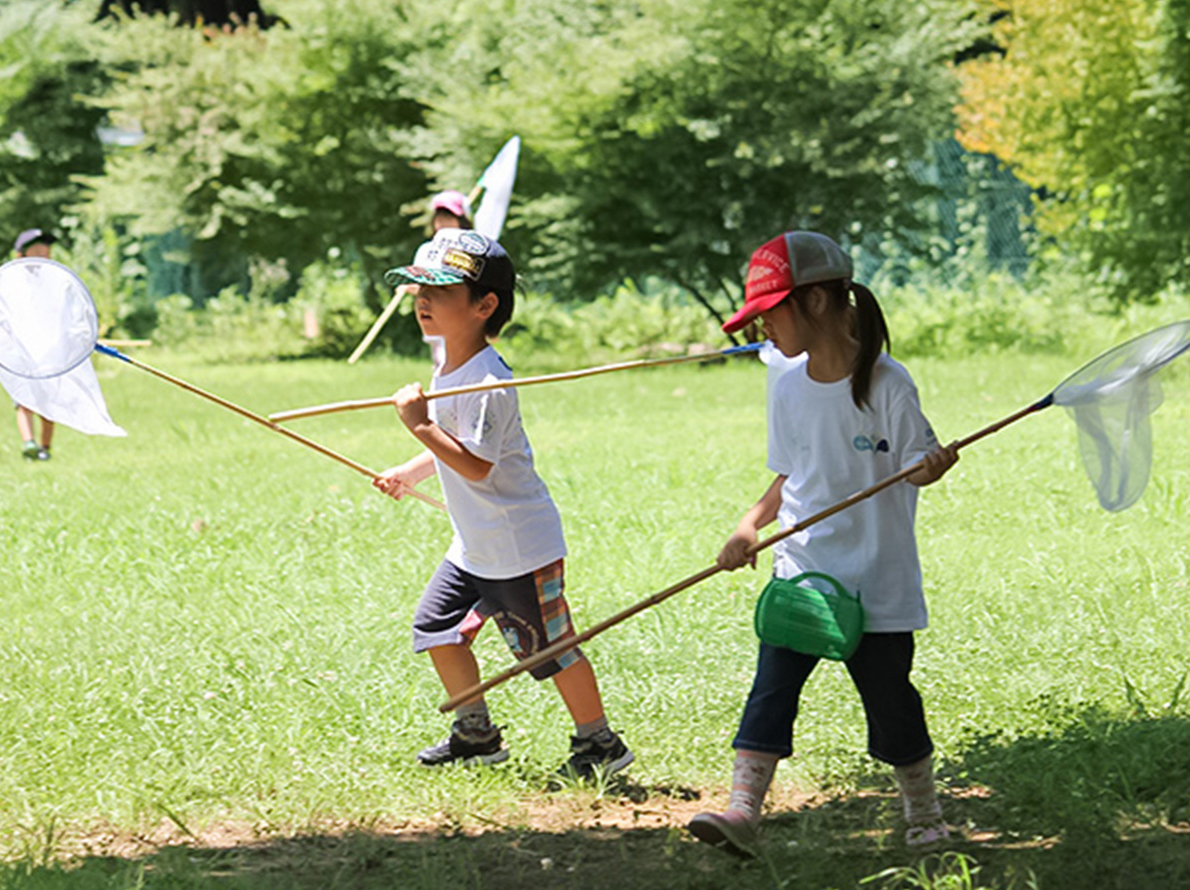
(1110, 400)
(48, 322)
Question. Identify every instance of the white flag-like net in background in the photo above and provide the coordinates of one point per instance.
(48, 330)
(73, 399)
(497, 182)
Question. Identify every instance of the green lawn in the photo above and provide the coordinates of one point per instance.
(206, 638)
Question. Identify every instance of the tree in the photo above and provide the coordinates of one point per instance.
(1089, 103)
(47, 130)
(279, 145)
(671, 139)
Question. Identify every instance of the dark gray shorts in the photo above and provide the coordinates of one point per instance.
(530, 611)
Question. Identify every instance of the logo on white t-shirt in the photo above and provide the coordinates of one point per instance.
(870, 443)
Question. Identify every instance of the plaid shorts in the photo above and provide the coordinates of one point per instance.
(530, 611)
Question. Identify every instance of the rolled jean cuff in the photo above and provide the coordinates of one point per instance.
(780, 753)
(903, 761)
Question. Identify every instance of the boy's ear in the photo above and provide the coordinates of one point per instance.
(487, 304)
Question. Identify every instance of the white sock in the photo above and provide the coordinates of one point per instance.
(918, 794)
(750, 778)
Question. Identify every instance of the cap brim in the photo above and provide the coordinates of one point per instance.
(751, 309)
(422, 275)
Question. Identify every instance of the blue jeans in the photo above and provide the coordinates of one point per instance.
(879, 668)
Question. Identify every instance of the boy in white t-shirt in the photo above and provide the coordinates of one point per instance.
(505, 560)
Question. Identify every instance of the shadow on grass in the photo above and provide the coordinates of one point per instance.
(1095, 804)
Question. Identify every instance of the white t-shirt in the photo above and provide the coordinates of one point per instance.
(829, 449)
(506, 524)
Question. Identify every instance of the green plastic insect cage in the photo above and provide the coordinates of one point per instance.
(811, 613)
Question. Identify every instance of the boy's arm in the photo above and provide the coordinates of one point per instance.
(414, 411)
(400, 480)
(735, 552)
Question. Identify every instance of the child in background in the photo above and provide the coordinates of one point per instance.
(34, 243)
(505, 560)
(842, 417)
(450, 210)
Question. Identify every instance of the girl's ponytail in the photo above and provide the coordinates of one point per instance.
(872, 333)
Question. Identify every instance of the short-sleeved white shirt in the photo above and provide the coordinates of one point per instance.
(506, 524)
(828, 449)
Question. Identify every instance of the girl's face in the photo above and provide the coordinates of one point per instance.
(786, 326)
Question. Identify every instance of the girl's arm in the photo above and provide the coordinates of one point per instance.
(400, 480)
(414, 411)
(937, 462)
(735, 552)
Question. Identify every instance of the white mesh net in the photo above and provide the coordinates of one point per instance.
(48, 323)
(1110, 399)
(48, 330)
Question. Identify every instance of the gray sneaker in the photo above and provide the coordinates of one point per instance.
(458, 748)
(604, 752)
(737, 836)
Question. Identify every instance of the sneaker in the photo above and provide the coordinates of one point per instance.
(456, 748)
(604, 752)
(43, 453)
(30, 451)
(730, 832)
(927, 836)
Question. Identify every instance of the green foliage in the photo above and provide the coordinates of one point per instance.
(47, 129)
(1097, 118)
(279, 144)
(940, 871)
(671, 139)
(336, 297)
(624, 324)
(109, 264)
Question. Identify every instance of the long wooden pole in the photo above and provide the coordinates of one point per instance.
(244, 412)
(335, 407)
(378, 324)
(552, 651)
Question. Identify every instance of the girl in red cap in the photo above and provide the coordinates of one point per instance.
(842, 416)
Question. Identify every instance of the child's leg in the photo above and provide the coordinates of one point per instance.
(532, 613)
(919, 798)
(751, 776)
(456, 667)
(580, 691)
(764, 737)
(458, 670)
(897, 732)
(25, 427)
(47, 433)
(444, 625)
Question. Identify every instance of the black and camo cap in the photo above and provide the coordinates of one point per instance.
(455, 256)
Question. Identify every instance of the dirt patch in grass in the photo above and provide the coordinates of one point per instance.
(622, 807)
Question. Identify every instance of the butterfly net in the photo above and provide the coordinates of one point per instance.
(1110, 399)
(48, 330)
(48, 323)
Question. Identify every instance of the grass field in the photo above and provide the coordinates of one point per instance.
(207, 678)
